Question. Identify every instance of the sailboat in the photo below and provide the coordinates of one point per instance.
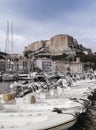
(9, 74)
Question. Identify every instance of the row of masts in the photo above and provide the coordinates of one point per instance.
(9, 38)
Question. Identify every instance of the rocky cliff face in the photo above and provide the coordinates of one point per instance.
(55, 44)
(60, 43)
(35, 46)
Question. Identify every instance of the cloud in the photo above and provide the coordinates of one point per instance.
(40, 20)
(18, 44)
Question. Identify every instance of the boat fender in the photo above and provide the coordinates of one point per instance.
(9, 96)
(33, 99)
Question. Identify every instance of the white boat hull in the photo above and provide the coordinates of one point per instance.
(48, 121)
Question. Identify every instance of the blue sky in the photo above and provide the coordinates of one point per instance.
(35, 20)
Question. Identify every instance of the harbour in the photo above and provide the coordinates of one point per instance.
(47, 65)
(48, 88)
(56, 97)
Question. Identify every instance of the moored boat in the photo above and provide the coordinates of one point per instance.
(40, 115)
(36, 106)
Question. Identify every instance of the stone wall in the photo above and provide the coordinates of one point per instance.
(39, 44)
(63, 66)
(58, 43)
(35, 46)
(55, 44)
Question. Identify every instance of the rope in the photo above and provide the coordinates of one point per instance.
(58, 110)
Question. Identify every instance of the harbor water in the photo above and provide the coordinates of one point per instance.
(85, 121)
(4, 87)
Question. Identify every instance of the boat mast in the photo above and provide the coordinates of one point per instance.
(7, 47)
(7, 39)
(12, 49)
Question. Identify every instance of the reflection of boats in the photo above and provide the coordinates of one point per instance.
(10, 76)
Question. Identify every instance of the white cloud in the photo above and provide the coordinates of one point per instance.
(80, 25)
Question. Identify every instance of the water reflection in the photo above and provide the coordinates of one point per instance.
(4, 87)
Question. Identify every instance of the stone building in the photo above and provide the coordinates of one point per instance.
(57, 47)
(74, 67)
(35, 46)
(60, 43)
(18, 61)
(44, 64)
(57, 44)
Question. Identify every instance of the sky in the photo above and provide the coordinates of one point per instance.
(35, 20)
